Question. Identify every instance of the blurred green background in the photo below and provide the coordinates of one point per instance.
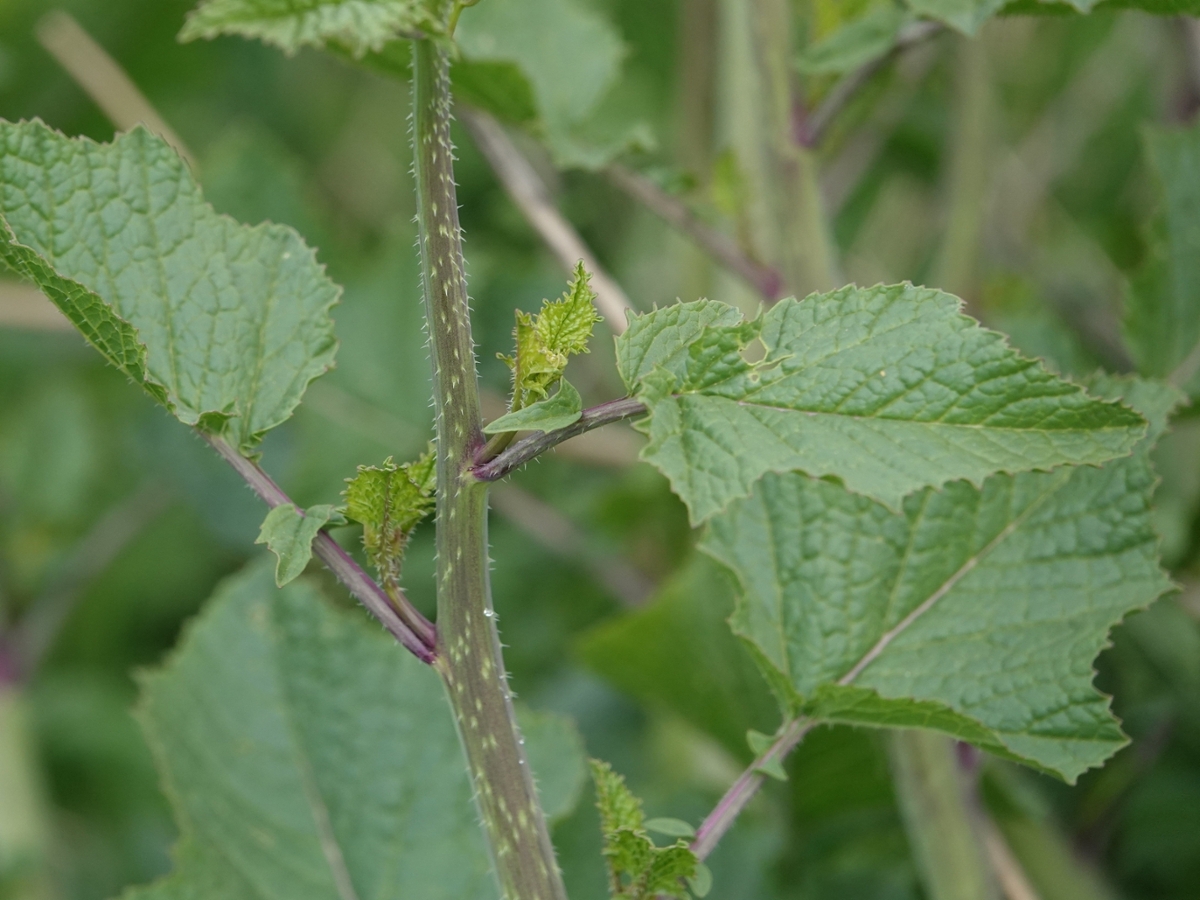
(114, 516)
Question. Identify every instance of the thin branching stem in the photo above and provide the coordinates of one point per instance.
(416, 633)
(725, 813)
(539, 442)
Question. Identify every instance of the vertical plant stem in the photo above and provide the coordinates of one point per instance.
(469, 656)
(938, 817)
(955, 269)
(24, 831)
(802, 238)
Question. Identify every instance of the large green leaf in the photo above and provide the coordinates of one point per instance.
(310, 758)
(678, 653)
(975, 611)
(1162, 322)
(358, 26)
(890, 389)
(225, 324)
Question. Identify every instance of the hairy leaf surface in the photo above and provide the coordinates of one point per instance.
(358, 25)
(638, 870)
(310, 758)
(890, 389)
(974, 611)
(390, 501)
(225, 324)
(1162, 322)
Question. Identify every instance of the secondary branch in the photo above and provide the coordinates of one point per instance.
(516, 455)
(404, 621)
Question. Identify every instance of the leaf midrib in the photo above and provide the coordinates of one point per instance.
(886, 639)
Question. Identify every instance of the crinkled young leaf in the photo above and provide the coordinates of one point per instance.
(307, 757)
(890, 388)
(559, 411)
(390, 501)
(223, 323)
(545, 342)
(975, 611)
(638, 870)
(289, 533)
(1162, 324)
(357, 25)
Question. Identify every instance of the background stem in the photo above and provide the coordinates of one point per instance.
(938, 817)
(469, 656)
(24, 831)
(790, 195)
(970, 172)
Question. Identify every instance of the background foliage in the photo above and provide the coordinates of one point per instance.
(597, 571)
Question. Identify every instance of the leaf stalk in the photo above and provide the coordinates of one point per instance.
(495, 467)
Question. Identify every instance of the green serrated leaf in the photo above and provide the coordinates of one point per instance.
(359, 26)
(307, 759)
(974, 611)
(890, 388)
(390, 501)
(224, 324)
(1162, 322)
(676, 828)
(638, 870)
(289, 534)
(545, 342)
(856, 43)
(619, 808)
(559, 411)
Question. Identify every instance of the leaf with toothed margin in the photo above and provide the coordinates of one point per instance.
(643, 870)
(359, 26)
(289, 534)
(307, 757)
(889, 389)
(974, 611)
(226, 325)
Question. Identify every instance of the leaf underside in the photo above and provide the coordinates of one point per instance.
(974, 611)
(308, 758)
(223, 323)
(889, 389)
(359, 26)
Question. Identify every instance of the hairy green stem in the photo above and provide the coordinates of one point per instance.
(941, 825)
(469, 656)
